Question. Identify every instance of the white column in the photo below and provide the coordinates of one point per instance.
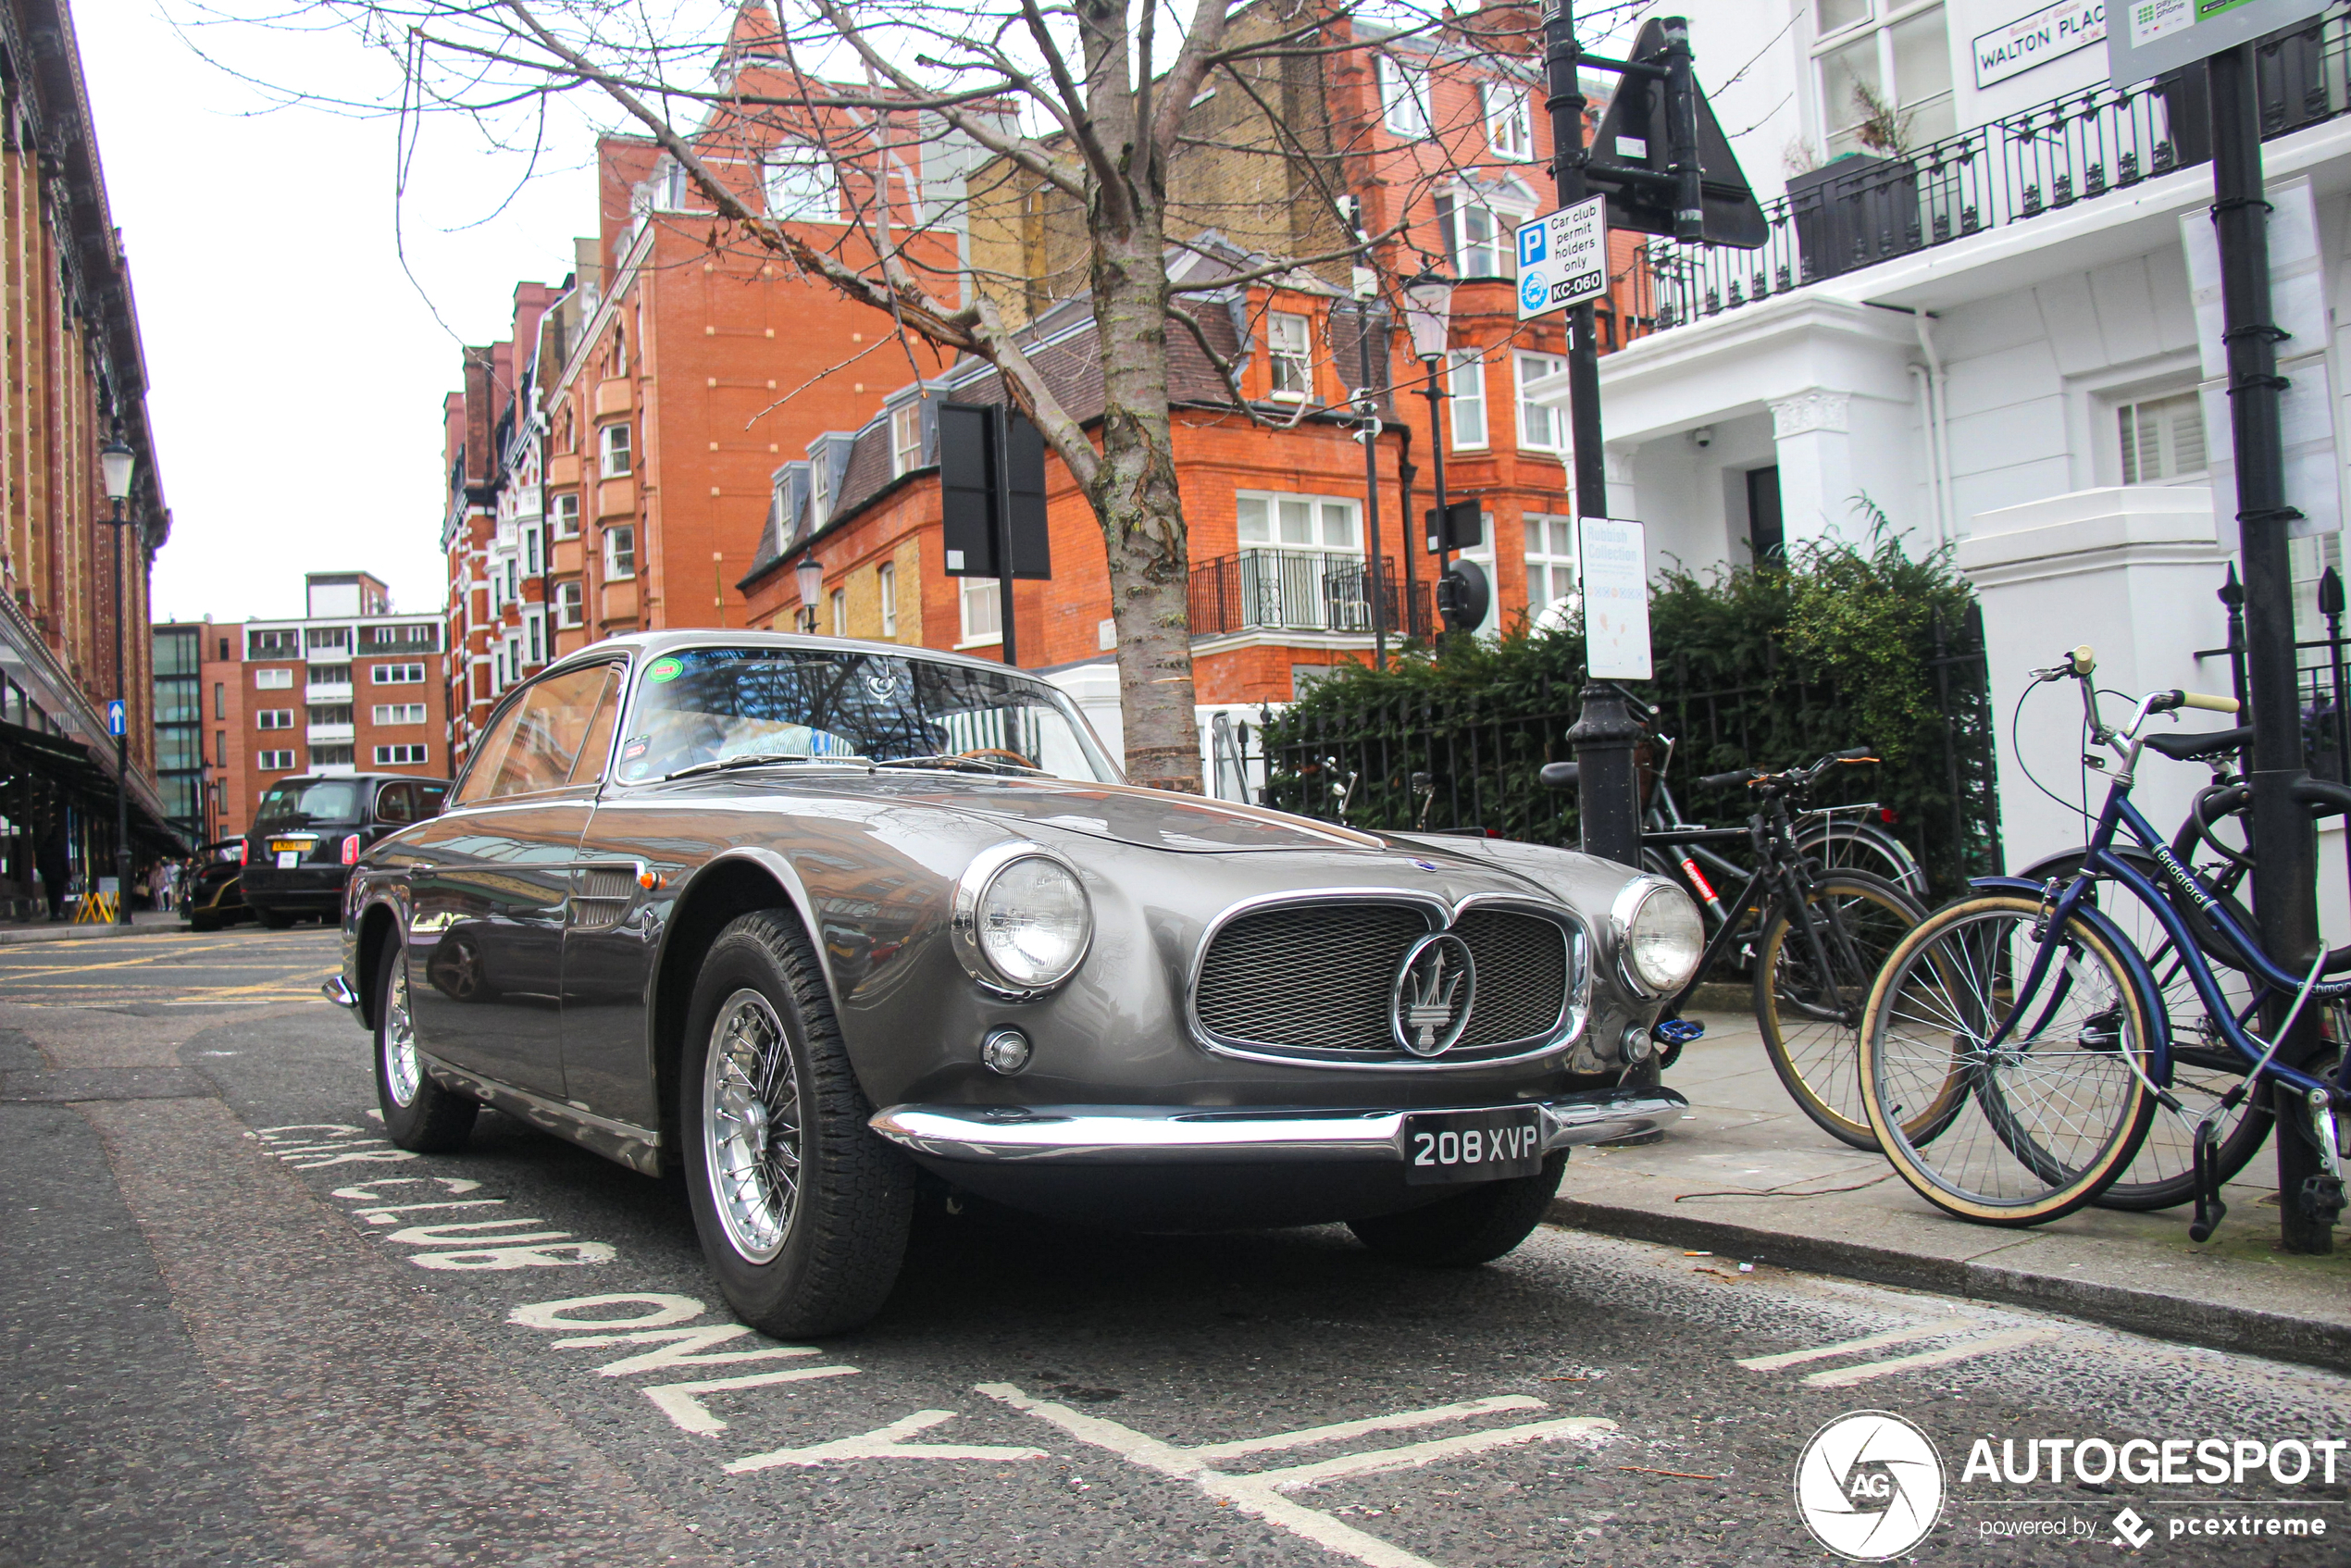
(1810, 431)
(1617, 462)
(2131, 572)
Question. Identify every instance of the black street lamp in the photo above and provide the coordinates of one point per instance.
(116, 460)
(1428, 317)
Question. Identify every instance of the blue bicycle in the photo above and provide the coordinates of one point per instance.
(2016, 1046)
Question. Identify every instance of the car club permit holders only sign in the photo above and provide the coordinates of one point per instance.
(1612, 554)
(1562, 258)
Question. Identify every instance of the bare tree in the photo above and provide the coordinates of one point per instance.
(1086, 102)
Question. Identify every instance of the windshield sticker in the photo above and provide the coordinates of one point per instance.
(664, 669)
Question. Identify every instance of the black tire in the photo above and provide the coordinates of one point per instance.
(1856, 846)
(433, 1119)
(2204, 1068)
(275, 919)
(817, 1242)
(1815, 1049)
(1478, 1227)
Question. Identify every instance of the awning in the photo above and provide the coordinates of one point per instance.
(69, 765)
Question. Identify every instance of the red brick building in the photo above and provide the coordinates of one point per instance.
(347, 687)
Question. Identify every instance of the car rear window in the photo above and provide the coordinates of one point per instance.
(301, 803)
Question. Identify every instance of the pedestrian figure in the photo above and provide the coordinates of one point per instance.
(50, 859)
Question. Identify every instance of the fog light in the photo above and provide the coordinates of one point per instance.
(1635, 1044)
(1004, 1050)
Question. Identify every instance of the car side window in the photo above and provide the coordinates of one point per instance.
(394, 803)
(536, 742)
(589, 769)
(428, 800)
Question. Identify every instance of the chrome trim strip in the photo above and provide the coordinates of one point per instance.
(1576, 1011)
(340, 993)
(1150, 1134)
(637, 1146)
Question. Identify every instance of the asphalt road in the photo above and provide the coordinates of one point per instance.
(243, 1329)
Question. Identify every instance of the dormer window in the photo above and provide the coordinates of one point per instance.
(905, 439)
(802, 183)
(1289, 351)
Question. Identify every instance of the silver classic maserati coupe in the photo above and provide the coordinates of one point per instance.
(809, 918)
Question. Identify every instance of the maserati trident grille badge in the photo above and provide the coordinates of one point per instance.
(1436, 986)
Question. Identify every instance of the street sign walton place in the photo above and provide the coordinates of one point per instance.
(1562, 258)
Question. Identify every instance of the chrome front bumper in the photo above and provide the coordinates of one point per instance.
(341, 994)
(1149, 1135)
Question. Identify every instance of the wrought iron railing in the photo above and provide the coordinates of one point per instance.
(1862, 210)
(1301, 591)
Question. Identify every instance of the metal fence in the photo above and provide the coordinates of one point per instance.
(2320, 675)
(1303, 591)
(1862, 210)
(1471, 764)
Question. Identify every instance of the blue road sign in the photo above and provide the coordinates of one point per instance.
(114, 717)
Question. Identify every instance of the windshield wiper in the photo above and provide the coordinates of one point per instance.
(956, 759)
(754, 759)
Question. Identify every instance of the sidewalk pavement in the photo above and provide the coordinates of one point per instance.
(1745, 1176)
(144, 923)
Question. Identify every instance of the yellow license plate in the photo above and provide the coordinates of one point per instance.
(281, 846)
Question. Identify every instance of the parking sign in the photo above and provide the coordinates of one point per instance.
(1562, 258)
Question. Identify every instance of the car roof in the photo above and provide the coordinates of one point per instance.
(652, 643)
(380, 778)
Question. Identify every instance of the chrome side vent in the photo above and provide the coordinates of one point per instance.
(603, 895)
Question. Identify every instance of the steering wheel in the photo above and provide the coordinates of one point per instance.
(998, 754)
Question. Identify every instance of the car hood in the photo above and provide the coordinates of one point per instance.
(1158, 819)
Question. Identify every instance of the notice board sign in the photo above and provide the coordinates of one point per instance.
(1611, 554)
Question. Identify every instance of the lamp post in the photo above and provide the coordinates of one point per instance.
(810, 573)
(114, 460)
(1428, 316)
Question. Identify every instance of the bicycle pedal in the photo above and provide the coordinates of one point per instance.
(1677, 1031)
(2322, 1198)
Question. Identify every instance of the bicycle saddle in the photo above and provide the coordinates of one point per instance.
(2197, 745)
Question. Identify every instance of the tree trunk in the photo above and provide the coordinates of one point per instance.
(1135, 495)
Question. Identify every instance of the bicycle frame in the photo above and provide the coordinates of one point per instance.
(2102, 864)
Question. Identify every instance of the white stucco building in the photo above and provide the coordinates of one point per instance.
(1984, 323)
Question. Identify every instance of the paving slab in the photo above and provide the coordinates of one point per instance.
(1745, 1174)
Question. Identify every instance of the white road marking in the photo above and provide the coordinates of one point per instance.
(476, 1233)
(1412, 1456)
(384, 1216)
(683, 1402)
(684, 1350)
(666, 1309)
(1870, 1342)
(1965, 1350)
(366, 1193)
(1310, 1435)
(559, 1254)
(883, 1442)
(1256, 1495)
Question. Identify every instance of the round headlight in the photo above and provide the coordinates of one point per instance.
(1022, 919)
(1659, 936)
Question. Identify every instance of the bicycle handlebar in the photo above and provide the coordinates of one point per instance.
(1737, 776)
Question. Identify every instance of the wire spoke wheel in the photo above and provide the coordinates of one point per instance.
(1810, 1015)
(2052, 1100)
(404, 1069)
(752, 1125)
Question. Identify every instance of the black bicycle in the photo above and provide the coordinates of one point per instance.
(1818, 937)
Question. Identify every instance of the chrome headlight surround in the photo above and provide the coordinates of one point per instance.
(970, 899)
(1624, 916)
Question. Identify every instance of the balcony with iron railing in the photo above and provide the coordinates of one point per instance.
(1304, 591)
(1862, 210)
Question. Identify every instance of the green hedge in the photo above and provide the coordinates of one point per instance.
(1767, 666)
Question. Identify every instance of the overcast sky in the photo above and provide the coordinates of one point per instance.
(296, 373)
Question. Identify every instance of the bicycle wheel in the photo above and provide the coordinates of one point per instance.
(2045, 1119)
(1856, 846)
(2204, 1068)
(1813, 1041)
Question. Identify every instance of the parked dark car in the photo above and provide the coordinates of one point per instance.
(212, 891)
(309, 831)
(805, 918)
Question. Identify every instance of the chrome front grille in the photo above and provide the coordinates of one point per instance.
(1314, 980)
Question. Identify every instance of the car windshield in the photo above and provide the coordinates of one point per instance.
(298, 803)
(709, 705)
